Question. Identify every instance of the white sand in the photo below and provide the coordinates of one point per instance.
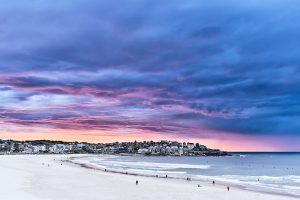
(24, 177)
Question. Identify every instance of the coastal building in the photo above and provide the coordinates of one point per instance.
(180, 151)
(142, 151)
(190, 146)
(161, 148)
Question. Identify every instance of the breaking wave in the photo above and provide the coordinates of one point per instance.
(279, 180)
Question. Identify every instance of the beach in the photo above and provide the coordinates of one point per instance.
(33, 177)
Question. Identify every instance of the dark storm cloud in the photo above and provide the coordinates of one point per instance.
(230, 67)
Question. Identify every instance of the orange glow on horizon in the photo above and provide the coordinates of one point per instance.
(231, 142)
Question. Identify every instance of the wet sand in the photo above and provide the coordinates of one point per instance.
(50, 177)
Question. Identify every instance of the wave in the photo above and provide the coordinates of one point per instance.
(279, 184)
(285, 184)
(154, 172)
(151, 165)
(114, 162)
(265, 178)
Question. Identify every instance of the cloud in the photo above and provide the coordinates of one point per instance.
(182, 68)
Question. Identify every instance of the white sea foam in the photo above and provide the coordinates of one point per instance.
(286, 184)
(154, 172)
(153, 165)
(265, 183)
(116, 163)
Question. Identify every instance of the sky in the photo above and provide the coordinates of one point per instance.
(222, 73)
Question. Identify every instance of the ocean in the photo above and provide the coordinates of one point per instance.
(267, 172)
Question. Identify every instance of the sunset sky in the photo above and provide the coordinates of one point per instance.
(225, 74)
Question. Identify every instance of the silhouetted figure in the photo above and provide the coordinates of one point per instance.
(227, 188)
(213, 182)
(166, 176)
(199, 185)
(136, 182)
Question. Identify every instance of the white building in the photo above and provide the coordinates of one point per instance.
(57, 148)
(142, 151)
(180, 150)
(190, 146)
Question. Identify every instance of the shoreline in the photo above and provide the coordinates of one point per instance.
(35, 177)
(170, 177)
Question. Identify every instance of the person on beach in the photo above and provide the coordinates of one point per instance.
(136, 182)
(213, 182)
(228, 188)
(166, 176)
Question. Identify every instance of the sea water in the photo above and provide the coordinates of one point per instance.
(270, 172)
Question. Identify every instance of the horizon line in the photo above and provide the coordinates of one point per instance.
(150, 141)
